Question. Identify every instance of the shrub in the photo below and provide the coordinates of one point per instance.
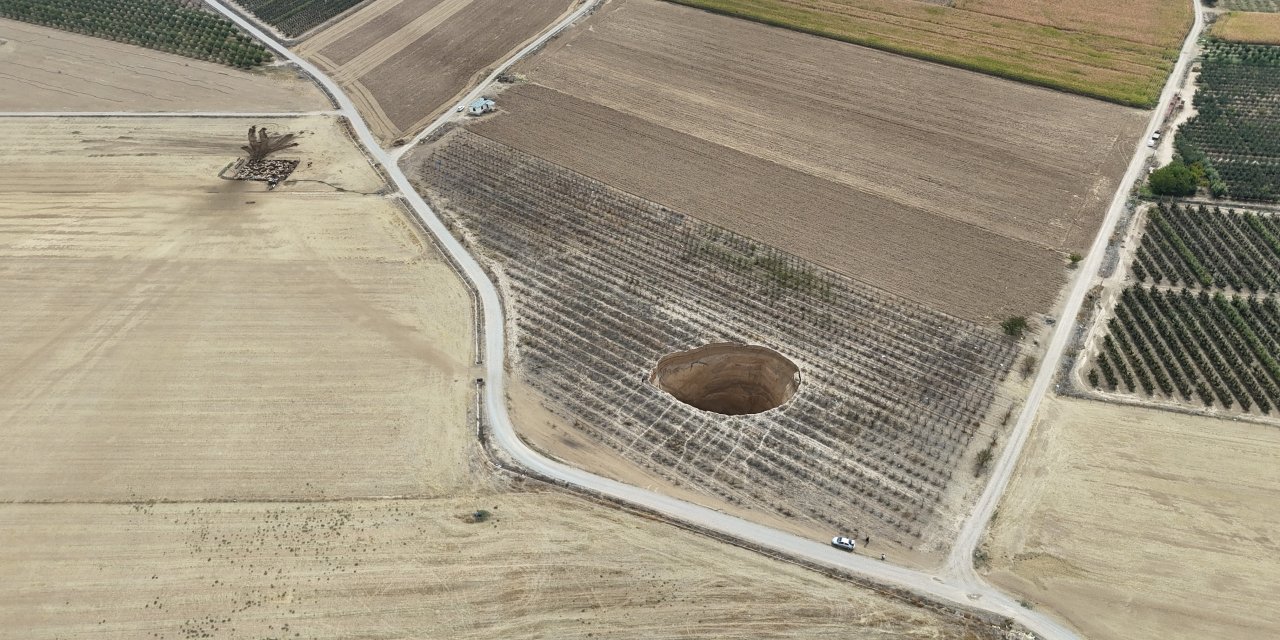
(1014, 326)
(1174, 179)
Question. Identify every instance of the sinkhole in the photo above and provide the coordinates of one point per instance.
(728, 378)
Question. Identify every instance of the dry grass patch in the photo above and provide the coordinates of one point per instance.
(187, 337)
(43, 69)
(1248, 27)
(1140, 524)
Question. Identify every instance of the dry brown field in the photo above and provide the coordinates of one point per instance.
(404, 62)
(1115, 51)
(1250, 27)
(195, 338)
(215, 391)
(1134, 523)
(543, 566)
(44, 69)
(958, 190)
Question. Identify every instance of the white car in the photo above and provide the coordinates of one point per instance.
(841, 542)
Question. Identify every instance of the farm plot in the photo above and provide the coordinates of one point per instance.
(1248, 27)
(43, 69)
(1200, 247)
(539, 565)
(879, 437)
(1252, 5)
(1114, 51)
(294, 17)
(156, 24)
(1140, 524)
(186, 337)
(404, 62)
(1237, 124)
(1173, 344)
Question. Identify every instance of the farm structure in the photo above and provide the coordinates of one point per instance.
(163, 25)
(404, 61)
(1136, 523)
(1114, 51)
(295, 17)
(602, 285)
(913, 177)
(61, 71)
(1238, 114)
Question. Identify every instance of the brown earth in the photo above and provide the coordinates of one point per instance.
(187, 337)
(955, 189)
(404, 62)
(44, 69)
(1135, 523)
(728, 378)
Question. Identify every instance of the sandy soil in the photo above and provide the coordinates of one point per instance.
(198, 338)
(404, 62)
(891, 152)
(543, 566)
(1133, 523)
(45, 69)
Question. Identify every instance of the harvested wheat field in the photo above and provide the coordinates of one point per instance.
(1134, 523)
(958, 190)
(44, 69)
(1249, 27)
(185, 337)
(1115, 51)
(404, 62)
(541, 566)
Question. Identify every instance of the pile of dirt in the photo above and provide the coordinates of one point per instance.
(728, 378)
(271, 172)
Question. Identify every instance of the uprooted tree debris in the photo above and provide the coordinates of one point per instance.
(257, 166)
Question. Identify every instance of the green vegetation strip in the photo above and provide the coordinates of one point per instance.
(162, 25)
(1092, 65)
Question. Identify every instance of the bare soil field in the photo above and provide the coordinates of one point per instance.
(1249, 27)
(1135, 523)
(43, 69)
(196, 338)
(406, 61)
(960, 174)
(1115, 51)
(541, 566)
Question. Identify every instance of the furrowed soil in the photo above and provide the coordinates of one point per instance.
(195, 338)
(1134, 523)
(44, 69)
(958, 190)
(406, 62)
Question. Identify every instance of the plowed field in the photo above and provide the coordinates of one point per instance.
(959, 190)
(405, 61)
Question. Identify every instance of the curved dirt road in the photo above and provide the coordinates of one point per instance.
(959, 584)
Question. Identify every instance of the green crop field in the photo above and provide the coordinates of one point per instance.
(1237, 125)
(295, 17)
(156, 24)
(1113, 51)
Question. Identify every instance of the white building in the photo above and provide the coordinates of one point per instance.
(480, 106)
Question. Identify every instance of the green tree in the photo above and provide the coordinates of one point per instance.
(1015, 326)
(1174, 179)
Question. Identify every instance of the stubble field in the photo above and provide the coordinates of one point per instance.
(193, 337)
(957, 190)
(404, 62)
(43, 69)
(1136, 524)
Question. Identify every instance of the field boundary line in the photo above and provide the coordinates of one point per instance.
(167, 114)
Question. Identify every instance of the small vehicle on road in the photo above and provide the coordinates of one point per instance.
(841, 542)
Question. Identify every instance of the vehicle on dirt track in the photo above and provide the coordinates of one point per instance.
(841, 542)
